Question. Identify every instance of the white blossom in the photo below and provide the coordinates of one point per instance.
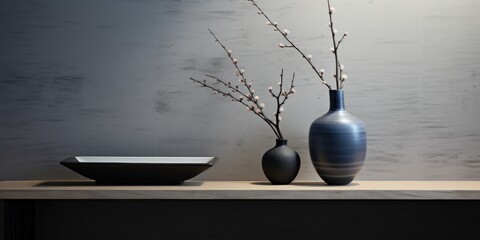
(335, 30)
(257, 97)
(275, 24)
(279, 118)
(235, 60)
(345, 34)
(281, 45)
(286, 32)
(332, 9)
(344, 76)
(332, 49)
(293, 90)
(270, 88)
(342, 67)
(279, 83)
(322, 71)
(240, 80)
(262, 105)
(229, 52)
(309, 57)
(258, 110)
(253, 91)
(281, 109)
(269, 23)
(242, 71)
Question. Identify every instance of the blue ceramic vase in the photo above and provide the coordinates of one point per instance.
(281, 164)
(337, 143)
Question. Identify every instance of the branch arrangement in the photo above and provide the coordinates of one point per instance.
(338, 75)
(245, 94)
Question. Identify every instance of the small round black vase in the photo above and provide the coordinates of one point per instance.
(281, 164)
(337, 143)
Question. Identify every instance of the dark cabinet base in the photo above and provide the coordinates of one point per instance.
(19, 219)
(240, 219)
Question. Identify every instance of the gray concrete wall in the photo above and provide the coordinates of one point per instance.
(111, 78)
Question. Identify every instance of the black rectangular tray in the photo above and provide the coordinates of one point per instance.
(138, 170)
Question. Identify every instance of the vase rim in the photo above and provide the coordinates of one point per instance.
(337, 102)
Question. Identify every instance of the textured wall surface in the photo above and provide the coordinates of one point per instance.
(111, 78)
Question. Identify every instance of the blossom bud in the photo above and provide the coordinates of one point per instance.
(270, 88)
(342, 67)
(269, 23)
(309, 57)
(235, 60)
(335, 30)
(242, 71)
(262, 105)
(332, 50)
(345, 34)
(229, 52)
(279, 83)
(344, 76)
(281, 45)
(286, 32)
(322, 71)
(332, 9)
(257, 97)
(281, 109)
(275, 24)
(293, 91)
(279, 118)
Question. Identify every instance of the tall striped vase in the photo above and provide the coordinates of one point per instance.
(337, 143)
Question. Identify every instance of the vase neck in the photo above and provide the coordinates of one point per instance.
(281, 142)
(336, 100)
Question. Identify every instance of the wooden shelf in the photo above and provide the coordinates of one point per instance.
(243, 190)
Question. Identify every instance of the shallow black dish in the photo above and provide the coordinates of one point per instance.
(139, 170)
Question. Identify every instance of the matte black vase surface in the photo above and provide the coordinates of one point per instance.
(281, 164)
(337, 143)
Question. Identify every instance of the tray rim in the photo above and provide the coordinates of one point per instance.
(74, 161)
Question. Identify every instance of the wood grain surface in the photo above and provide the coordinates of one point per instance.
(243, 190)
